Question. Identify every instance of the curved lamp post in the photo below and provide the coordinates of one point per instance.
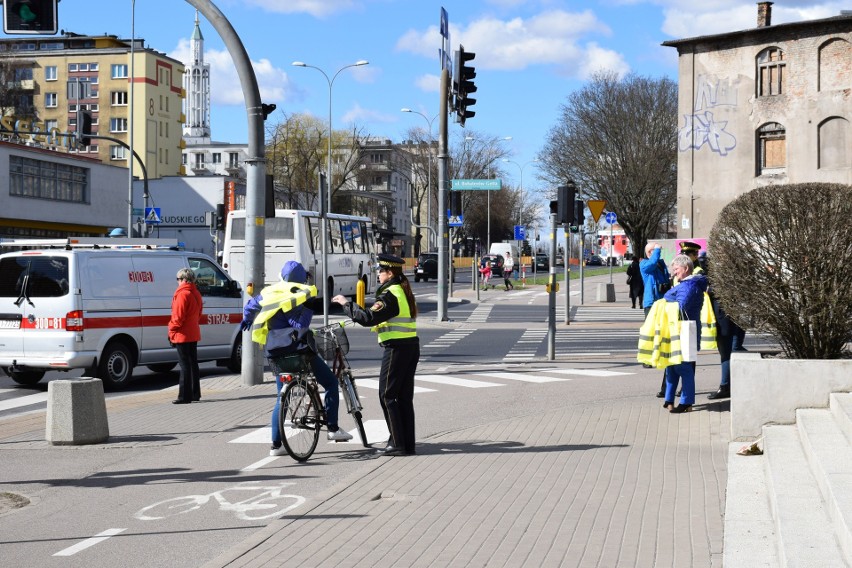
(428, 179)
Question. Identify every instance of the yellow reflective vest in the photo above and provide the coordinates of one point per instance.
(707, 321)
(402, 325)
(659, 336)
(278, 296)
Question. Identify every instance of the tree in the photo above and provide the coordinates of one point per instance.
(617, 140)
(779, 263)
(14, 99)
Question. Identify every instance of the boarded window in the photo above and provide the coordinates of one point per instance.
(771, 72)
(773, 147)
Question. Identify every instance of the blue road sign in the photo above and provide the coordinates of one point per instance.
(455, 220)
(611, 218)
(153, 216)
(520, 233)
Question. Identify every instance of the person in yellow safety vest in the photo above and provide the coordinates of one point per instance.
(280, 322)
(393, 316)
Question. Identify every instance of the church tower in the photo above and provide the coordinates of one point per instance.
(196, 82)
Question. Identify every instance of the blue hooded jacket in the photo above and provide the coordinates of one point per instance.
(297, 318)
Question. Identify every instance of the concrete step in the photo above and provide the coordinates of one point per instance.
(750, 539)
(830, 457)
(803, 526)
(840, 405)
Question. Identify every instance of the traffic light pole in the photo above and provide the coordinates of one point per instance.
(567, 258)
(443, 158)
(252, 362)
(551, 296)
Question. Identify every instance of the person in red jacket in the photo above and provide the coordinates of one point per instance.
(184, 334)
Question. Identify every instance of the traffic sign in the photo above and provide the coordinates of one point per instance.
(153, 216)
(596, 206)
(520, 233)
(611, 218)
(455, 220)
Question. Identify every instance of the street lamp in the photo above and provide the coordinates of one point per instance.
(521, 168)
(488, 204)
(428, 179)
(324, 215)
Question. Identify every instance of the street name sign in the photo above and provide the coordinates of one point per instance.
(476, 185)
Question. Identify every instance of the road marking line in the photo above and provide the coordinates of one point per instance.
(588, 372)
(260, 464)
(376, 430)
(71, 550)
(23, 401)
(445, 380)
(259, 436)
(524, 378)
(374, 384)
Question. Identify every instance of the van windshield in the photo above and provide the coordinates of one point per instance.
(45, 277)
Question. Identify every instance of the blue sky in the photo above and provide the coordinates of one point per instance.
(530, 54)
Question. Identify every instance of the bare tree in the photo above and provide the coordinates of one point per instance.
(14, 99)
(779, 262)
(617, 140)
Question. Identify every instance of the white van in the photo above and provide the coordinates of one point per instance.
(503, 248)
(104, 305)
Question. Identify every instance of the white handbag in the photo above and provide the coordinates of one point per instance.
(688, 340)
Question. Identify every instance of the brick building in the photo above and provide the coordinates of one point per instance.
(768, 105)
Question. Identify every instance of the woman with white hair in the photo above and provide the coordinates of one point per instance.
(689, 295)
(185, 333)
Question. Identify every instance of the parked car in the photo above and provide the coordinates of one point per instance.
(426, 267)
(594, 260)
(495, 261)
(542, 263)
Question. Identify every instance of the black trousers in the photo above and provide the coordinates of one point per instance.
(190, 384)
(396, 390)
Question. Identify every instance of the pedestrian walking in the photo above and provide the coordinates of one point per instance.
(185, 333)
(393, 316)
(634, 281)
(508, 269)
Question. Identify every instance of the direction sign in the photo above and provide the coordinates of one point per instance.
(153, 216)
(520, 233)
(596, 206)
(476, 184)
(611, 218)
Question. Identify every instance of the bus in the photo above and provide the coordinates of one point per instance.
(295, 235)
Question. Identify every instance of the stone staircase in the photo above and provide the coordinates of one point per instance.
(792, 506)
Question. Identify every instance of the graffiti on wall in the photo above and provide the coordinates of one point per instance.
(701, 127)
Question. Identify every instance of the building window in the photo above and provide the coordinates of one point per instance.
(771, 72)
(50, 100)
(118, 125)
(48, 180)
(118, 98)
(183, 159)
(117, 153)
(72, 67)
(217, 157)
(118, 71)
(233, 160)
(772, 146)
(93, 66)
(50, 73)
(23, 73)
(49, 125)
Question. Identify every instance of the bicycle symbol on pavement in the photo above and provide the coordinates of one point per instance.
(267, 504)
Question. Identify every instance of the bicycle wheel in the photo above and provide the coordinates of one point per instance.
(299, 420)
(354, 403)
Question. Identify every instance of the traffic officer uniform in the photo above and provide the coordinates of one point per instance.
(390, 317)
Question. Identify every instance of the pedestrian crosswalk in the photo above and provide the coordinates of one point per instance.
(377, 430)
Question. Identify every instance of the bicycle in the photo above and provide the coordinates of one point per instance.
(302, 413)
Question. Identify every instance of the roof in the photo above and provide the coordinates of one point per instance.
(774, 30)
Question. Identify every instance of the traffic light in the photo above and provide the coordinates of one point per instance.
(463, 85)
(220, 216)
(84, 127)
(526, 249)
(565, 197)
(30, 17)
(579, 214)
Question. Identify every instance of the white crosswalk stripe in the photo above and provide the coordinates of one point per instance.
(374, 384)
(23, 401)
(525, 348)
(481, 313)
(448, 339)
(527, 378)
(455, 381)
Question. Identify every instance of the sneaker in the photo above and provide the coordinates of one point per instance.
(278, 451)
(339, 436)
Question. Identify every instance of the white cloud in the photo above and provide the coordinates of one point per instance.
(317, 8)
(428, 83)
(360, 115)
(274, 84)
(550, 38)
(599, 59)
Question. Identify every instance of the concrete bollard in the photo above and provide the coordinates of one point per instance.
(76, 412)
(606, 292)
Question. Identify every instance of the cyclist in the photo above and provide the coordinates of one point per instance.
(393, 317)
(280, 321)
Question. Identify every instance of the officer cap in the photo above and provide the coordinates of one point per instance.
(390, 261)
(688, 247)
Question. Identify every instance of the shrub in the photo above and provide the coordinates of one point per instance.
(781, 262)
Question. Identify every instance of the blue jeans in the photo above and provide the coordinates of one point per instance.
(686, 372)
(332, 397)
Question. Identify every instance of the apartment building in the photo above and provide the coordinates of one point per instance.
(768, 105)
(54, 76)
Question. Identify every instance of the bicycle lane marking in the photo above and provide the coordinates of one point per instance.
(89, 542)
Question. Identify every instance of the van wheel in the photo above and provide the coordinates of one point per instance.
(28, 378)
(115, 367)
(162, 367)
(235, 363)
